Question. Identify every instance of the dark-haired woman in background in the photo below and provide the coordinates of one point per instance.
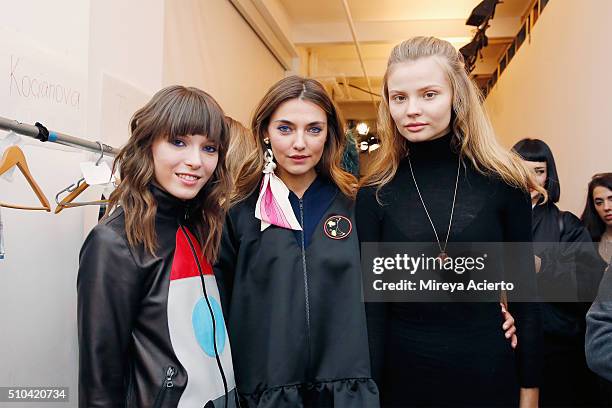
(597, 214)
(597, 217)
(568, 270)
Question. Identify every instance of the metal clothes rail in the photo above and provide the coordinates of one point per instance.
(40, 132)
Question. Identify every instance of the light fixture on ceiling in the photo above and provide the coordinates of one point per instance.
(362, 128)
(471, 51)
(482, 13)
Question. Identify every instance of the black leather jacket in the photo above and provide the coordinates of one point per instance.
(144, 323)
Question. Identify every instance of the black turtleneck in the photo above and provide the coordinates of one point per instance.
(419, 349)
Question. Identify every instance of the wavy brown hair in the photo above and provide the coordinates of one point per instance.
(295, 87)
(471, 127)
(172, 112)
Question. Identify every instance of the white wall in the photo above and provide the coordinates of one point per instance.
(37, 278)
(558, 89)
(209, 45)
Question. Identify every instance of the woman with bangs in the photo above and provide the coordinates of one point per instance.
(440, 176)
(151, 331)
(289, 270)
(568, 274)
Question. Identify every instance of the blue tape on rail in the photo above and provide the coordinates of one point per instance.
(52, 136)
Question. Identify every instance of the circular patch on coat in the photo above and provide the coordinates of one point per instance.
(203, 326)
(337, 227)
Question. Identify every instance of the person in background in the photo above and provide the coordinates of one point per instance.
(241, 144)
(597, 214)
(598, 343)
(150, 327)
(350, 158)
(568, 270)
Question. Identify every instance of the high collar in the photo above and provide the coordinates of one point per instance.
(320, 186)
(437, 149)
(168, 206)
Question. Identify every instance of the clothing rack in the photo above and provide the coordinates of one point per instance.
(40, 132)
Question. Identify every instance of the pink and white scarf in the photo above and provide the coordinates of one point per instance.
(273, 206)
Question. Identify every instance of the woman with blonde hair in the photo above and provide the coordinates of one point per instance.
(440, 176)
(288, 270)
(241, 144)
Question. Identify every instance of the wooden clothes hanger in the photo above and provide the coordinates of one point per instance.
(76, 189)
(13, 156)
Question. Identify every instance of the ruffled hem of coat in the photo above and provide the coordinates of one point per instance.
(346, 392)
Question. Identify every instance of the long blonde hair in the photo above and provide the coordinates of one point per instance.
(241, 143)
(286, 89)
(172, 112)
(471, 127)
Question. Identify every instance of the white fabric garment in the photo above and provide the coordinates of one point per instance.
(11, 139)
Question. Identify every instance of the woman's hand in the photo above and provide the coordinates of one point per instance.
(529, 397)
(509, 327)
(538, 263)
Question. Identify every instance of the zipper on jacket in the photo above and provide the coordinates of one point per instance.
(305, 271)
(166, 384)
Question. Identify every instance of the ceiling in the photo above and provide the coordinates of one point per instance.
(319, 31)
(317, 11)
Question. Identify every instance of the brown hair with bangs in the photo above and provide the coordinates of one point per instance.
(295, 87)
(172, 112)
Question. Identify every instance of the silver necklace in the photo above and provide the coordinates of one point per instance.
(442, 255)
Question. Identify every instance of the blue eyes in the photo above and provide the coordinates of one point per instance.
(181, 143)
(286, 129)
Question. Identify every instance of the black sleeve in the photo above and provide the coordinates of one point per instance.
(368, 214)
(589, 267)
(225, 266)
(598, 346)
(519, 259)
(109, 289)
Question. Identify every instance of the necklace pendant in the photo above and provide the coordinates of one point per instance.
(443, 256)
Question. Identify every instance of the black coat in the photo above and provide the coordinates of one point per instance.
(570, 273)
(295, 314)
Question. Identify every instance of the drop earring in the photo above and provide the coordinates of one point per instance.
(269, 166)
(273, 206)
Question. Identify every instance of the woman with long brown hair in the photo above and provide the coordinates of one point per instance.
(441, 177)
(288, 270)
(151, 330)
